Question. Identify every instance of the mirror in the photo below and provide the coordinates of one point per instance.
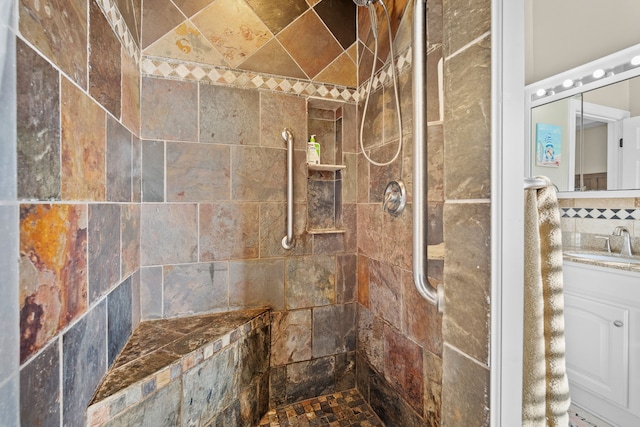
(585, 131)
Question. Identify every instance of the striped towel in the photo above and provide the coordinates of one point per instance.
(545, 386)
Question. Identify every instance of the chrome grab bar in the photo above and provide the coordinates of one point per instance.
(287, 241)
(433, 295)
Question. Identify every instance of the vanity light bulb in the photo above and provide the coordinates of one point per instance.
(541, 92)
(635, 60)
(598, 73)
(567, 83)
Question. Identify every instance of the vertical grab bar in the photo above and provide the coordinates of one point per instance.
(434, 296)
(287, 241)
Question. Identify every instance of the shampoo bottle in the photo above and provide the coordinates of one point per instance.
(313, 151)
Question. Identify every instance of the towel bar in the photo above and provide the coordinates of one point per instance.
(534, 183)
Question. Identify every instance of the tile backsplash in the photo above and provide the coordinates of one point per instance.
(601, 213)
(584, 219)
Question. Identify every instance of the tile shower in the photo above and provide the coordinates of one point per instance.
(150, 184)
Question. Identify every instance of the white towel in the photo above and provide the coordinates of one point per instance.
(545, 386)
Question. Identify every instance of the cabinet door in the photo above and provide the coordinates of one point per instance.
(597, 336)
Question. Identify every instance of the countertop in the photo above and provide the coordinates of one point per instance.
(621, 265)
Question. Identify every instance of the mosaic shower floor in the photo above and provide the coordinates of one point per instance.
(345, 409)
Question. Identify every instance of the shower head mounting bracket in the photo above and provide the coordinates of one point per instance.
(364, 2)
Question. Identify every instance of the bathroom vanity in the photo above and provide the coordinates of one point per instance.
(602, 331)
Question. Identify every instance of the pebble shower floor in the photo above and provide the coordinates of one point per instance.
(344, 409)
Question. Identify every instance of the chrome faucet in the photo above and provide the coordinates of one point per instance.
(626, 242)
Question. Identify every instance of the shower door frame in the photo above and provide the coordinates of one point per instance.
(507, 210)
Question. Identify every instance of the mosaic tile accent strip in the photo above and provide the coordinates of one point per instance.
(181, 70)
(601, 213)
(178, 70)
(115, 19)
(403, 62)
(344, 409)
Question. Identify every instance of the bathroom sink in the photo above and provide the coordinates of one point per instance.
(603, 257)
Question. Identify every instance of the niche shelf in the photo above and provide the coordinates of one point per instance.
(324, 198)
(324, 180)
(328, 168)
(327, 231)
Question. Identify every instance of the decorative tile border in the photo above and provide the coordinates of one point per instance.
(190, 71)
(105, 410)
(403, 62)
(601, 213)
(114, 17)
(183, 70)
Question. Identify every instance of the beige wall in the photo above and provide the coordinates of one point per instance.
(561, 35)
(555, 113)
(595, 144)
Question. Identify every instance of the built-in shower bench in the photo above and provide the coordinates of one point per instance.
(190, 371)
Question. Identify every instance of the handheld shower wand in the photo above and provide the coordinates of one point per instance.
(374, 28)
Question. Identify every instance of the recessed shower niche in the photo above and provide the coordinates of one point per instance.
(324, 181)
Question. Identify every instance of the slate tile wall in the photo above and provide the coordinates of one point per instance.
(399, 335)
(119, 319)
(84, 362)
(38, 139)
(214, 242)
(39, 388)
(466, 49)
(152, 173)
(98, 102)
(79, 185)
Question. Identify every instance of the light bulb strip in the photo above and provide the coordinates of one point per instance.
(618, 66)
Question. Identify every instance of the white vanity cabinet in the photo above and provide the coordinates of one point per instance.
(602, 332)
(597, 346)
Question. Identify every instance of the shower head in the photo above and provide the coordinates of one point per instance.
(364, 2)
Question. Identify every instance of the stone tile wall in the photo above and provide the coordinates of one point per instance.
(208, 165)
(210, 236)
(84, 165)
(399, 337)
(78, 188)
(466, 52)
